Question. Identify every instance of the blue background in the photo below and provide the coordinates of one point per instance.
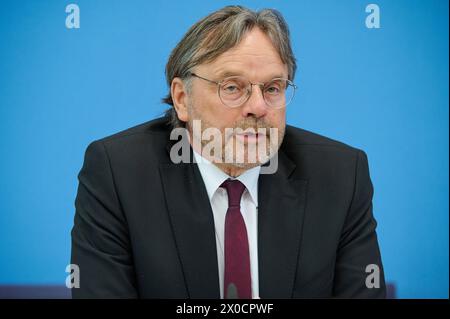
(383, 90)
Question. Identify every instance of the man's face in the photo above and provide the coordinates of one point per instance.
(256, 59)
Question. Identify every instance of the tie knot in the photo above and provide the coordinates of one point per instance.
(235, 189)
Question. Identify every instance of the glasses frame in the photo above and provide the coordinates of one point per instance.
(249, 92)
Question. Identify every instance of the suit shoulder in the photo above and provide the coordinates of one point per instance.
(296, 137)
(131, 141)
(157, 126)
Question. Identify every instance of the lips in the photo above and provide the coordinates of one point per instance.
(250, 137)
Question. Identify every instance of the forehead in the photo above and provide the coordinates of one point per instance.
(254, 57)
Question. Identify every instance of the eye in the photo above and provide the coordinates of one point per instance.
(275, 87)
(231, 88)
(273, 90)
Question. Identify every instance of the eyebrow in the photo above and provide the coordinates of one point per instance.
(227, 73)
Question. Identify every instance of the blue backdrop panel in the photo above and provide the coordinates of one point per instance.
(383, 90)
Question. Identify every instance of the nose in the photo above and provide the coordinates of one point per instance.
(255, 105)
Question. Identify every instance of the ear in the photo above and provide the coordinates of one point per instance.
(179, 98)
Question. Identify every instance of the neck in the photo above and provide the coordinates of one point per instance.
(230, 170)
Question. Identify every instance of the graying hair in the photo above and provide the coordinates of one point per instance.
(219, 32)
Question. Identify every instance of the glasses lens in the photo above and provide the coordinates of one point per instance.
(278, 93)
(233, 91)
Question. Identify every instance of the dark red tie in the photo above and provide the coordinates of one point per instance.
(237, 279)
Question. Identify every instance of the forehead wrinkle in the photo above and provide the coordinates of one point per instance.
(254, 57)
(265, 68)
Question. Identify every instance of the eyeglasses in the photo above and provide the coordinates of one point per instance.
(234, 91)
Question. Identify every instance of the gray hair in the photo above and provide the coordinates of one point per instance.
(219, 32)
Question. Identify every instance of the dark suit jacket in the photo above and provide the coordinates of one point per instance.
(144, 225)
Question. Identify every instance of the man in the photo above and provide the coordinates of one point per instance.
(266, 211)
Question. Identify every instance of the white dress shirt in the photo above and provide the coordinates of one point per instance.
(213, 177)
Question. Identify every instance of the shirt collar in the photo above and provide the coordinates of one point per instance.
(213, 177)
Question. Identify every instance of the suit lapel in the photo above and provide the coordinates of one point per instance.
(281, 210)
(193, 226)
(280, 219)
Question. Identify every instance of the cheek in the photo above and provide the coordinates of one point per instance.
(277, 118)
(216, 115)
(206, 106)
